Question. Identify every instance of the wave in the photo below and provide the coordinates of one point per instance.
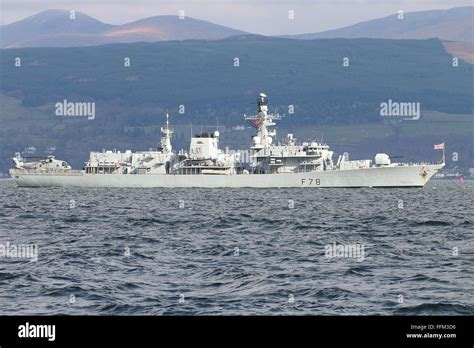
(433, 223)
(436, 309)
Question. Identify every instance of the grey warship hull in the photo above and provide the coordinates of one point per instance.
(387, 176)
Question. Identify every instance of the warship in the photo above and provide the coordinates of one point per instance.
(273, 164)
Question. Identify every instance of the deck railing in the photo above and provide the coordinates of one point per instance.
(46, 171)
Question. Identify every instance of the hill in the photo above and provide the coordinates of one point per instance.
(55, 28)
(203, 75)
(166, 28)
(53, 25)
(455, 24)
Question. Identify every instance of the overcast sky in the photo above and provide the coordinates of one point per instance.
(267, 17)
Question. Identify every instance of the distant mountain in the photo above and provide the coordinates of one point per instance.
(49, 26)
(167, 28)
(455, 24)
(55, 28)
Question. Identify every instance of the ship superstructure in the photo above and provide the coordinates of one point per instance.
(205, 157)
(143, 162)
(286, 157)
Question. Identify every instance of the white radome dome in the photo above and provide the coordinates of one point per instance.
(382, 159)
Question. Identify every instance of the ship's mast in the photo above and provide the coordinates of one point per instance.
(166, 139)
(263, 121)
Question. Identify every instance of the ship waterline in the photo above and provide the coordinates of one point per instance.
(399, 176)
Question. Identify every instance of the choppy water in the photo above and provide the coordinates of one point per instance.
(229, 251)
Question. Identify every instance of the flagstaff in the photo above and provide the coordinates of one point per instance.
(441, 147)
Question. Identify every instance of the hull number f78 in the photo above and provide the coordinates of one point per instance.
(310, 182)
